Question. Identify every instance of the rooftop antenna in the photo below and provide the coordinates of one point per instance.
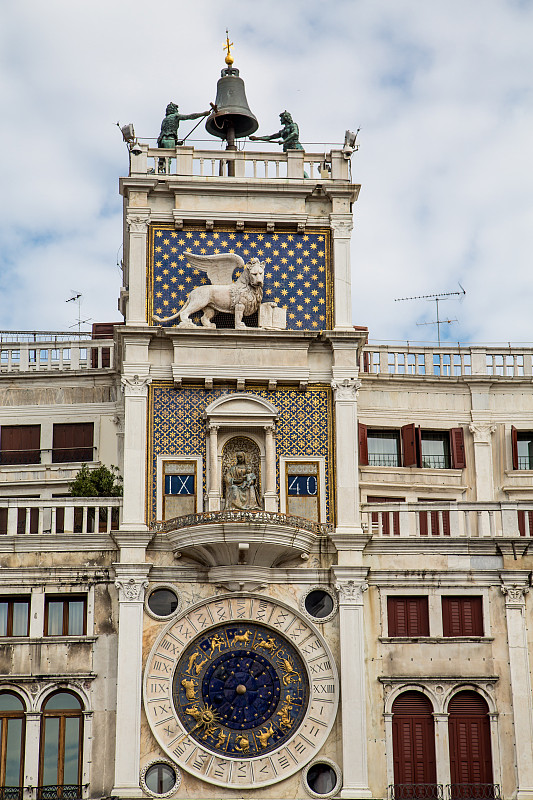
(437, 298)
(77, 298)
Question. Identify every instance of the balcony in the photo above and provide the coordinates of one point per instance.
(415, 791)
(435, 791)
(459, 520)
(446, 362)
(53, 351)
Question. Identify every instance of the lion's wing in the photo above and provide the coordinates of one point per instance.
(219, 267)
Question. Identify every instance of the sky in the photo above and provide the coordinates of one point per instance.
(441, 90)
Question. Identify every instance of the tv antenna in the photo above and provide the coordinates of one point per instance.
(77, 298)
(437, 298)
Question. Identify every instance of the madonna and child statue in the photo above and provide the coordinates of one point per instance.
(241, 486)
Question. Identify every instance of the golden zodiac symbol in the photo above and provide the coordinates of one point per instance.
(264, 735)
(190, 688)
(242, 744)
(205, 718)
(290, 672)
(222, 737)
(244, 638)
(199, 665)
(217, 642)
(266, 644)
(285, 720)
(192, 659)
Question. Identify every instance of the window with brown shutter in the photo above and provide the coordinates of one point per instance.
(470, 746)
(462, 616)
(20, 444)
(522, 446)
(409, 446)
(407, 616)
(413, 747)
(363, 446)
(73, 441)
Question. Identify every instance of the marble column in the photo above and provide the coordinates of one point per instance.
(270, 494)
(135, 390)
(482, 435)
(31, 752)
(348, 509)
(353, 681)
(341, 227)
(442, 748)
(213, 493)
(131, 581)
(515, 610)
(137, 220)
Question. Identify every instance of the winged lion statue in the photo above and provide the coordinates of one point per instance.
(242, 296)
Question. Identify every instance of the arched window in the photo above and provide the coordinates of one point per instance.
(61, 747)
(11, 745)
(413, 747)
(470, 750)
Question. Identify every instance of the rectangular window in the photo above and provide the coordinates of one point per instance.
(20, 444)
(303, 489)
(65, 616)
(179, 488)
(522, 442)
(14, 616)
(383, 448)
(462, 616)
(408, 616)
(73, 442)
(435, 449)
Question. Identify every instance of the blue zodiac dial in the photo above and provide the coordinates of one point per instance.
(241, 690)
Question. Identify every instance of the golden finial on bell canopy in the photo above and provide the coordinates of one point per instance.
(229, 58)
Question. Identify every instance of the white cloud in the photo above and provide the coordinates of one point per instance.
(441, 91)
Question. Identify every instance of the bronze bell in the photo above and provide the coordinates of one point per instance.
(232, 118)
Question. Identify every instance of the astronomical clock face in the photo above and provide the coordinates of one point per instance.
(240, 691)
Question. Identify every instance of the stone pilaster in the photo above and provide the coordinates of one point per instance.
(131, 582)
(137, 220)
(341, 227)
(515, 609)
(348, 509)
(271, 497)
(135, 390)
(482, 435)
(351, 586)
(214, 481)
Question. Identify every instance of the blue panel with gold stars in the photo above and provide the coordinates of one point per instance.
(241, 690)
(297, 270)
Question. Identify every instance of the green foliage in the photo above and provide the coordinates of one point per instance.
(100, 482)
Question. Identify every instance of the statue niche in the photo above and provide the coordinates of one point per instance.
(240, 475)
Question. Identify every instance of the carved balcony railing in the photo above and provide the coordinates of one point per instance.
(43, 351)
(415, 791)
(249, 517)
(446, 361)
(59, 516)
(184, 161)
(473, 791)
(454, 519)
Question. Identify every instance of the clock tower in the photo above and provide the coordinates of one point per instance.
(241, 654)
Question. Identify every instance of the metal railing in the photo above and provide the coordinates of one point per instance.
(189, 162)
(416, 791)
(55, 355)
(473, 791)
(447, 362)
(11, 792)
(453, 519)
(253, 517)
(60, 515)
(65, 792)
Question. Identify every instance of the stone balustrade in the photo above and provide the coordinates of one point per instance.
(59, 516)
(188, 161)
(448, 519)
(54, 354)
(447, 361)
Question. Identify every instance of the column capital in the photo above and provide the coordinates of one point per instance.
(213, 428)
(351, 592)
(135, 386)
(131, 581)
(346, 389)
(481, 431)
(138, 220)
(270, 428)
(342, 227)
(515, 594)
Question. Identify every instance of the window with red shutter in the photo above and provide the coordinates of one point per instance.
(462, 616)
(470, 746)
(73, 442)
(457, 444)
(363, 446)
(413, 747)
(407, 616)
(409, 448)
(20, 444)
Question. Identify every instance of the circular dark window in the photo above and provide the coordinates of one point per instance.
(160, 778)
(319, 604)
(162, 602)
(322, 779)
